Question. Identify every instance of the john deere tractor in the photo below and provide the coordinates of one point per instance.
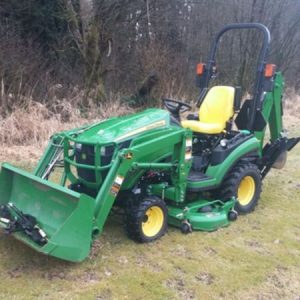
(195, 174)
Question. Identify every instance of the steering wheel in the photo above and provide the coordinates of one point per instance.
(176, 107)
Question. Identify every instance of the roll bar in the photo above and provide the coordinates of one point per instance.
(265, 47)
(258, 87)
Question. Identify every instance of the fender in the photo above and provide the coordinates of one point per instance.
(216, 173)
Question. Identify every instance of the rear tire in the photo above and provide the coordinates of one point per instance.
(243, 182)
(146, 220)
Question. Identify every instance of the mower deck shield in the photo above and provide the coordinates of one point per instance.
(199, 219)
(65, 216)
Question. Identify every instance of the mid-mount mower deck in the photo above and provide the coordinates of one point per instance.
(196, 174)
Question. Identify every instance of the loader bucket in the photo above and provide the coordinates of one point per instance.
(64, 216)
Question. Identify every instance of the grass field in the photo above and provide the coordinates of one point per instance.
(257, 257)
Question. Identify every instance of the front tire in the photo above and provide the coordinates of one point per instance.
(244, 182)
(146, 220)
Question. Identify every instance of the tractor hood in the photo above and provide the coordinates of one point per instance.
(122, 128)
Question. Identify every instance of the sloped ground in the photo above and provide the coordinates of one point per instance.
(256, 257)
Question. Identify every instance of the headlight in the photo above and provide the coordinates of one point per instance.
(103, 151)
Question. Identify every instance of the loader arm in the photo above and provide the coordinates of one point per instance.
(55, 220)
(131, 159)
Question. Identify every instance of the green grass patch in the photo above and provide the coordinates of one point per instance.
(255, 257)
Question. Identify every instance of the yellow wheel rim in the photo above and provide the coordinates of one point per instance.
(246, 190)
(153, 221)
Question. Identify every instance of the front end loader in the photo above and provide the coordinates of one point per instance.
(195, 174)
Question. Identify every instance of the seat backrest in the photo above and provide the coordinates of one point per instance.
(218, 105)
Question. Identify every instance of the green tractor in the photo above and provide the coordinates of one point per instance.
(195, 174)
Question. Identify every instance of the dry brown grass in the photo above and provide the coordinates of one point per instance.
(30, 126)
(292, 102)
(25, 132)
(36, 123)
(291, 106)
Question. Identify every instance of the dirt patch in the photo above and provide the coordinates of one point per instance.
(105, 294)
(210, 251)
(179, 287)
(205, 278)
(282, 283)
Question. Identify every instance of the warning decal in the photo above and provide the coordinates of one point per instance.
(117, 185)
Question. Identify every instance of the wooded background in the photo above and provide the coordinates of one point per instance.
(50, 50)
